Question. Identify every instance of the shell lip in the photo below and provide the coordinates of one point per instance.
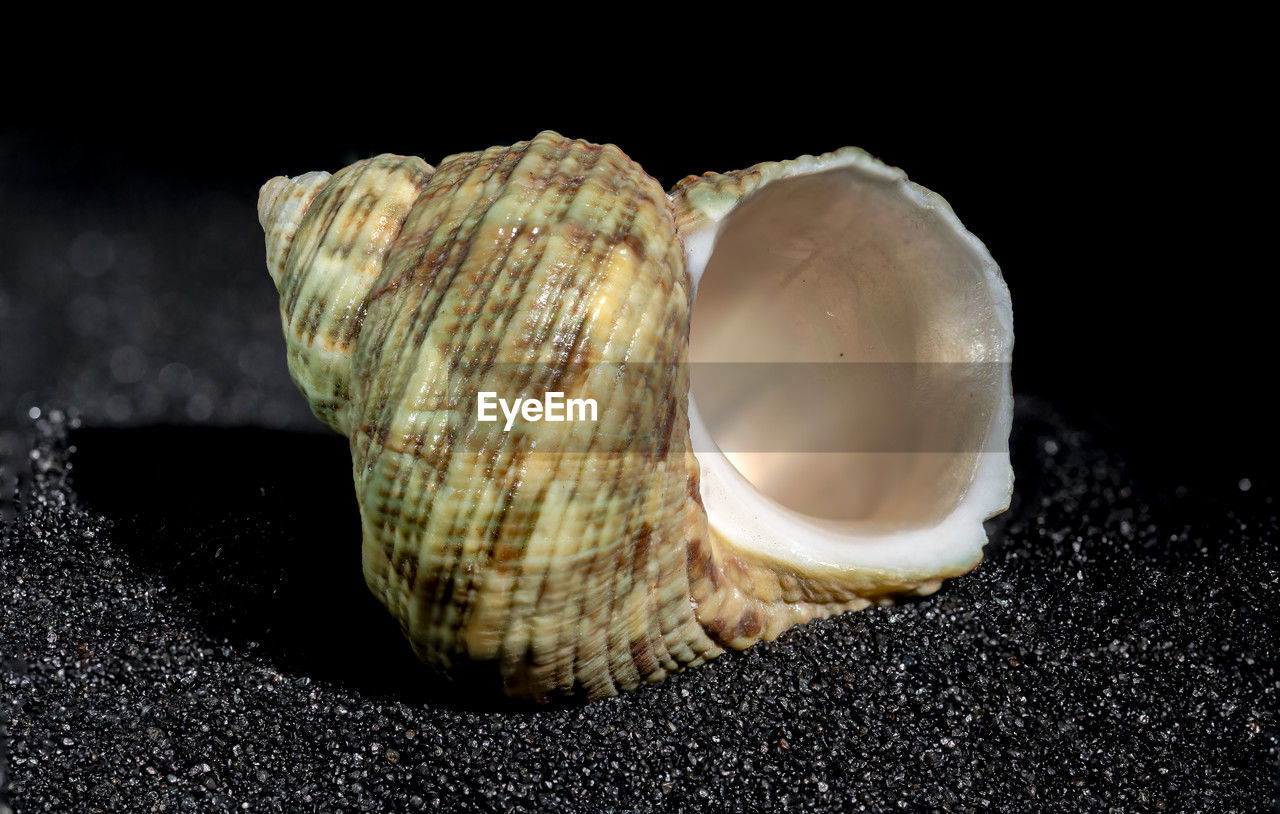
(738, 514)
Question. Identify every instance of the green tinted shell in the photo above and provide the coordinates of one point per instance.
(569, 558)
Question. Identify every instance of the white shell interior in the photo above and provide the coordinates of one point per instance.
(850, 401)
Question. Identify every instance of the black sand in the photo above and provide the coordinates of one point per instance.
(175, 638)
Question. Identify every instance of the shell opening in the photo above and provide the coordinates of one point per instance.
(849, 346)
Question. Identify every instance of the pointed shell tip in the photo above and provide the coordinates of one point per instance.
(267, 197)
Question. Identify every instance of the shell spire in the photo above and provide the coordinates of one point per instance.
(327, 237)
(282, 203)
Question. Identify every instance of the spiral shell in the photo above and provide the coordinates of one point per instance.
(564, 558)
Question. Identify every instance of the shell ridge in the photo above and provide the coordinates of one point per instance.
(523, 641)
(332, 198)
(447, 582)
(600, 666)
(276, 215)
(401, 266)
(561, 669)
(488, 569)
(302, 285)
(380, 414)
(454, 555)
(672, 538)
(394, 240)
(409, 356)
(567, 661)
(475, 560)
(649, 643)
(372, 429)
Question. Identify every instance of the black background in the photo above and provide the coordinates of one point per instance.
(190, 603)
(1112, 186)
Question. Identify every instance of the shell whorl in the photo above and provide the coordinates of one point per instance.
(557, 552)
(573, 557)
(327, 239)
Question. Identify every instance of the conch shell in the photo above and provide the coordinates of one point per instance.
(586, 557)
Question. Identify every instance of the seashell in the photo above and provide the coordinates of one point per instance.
(586, 557)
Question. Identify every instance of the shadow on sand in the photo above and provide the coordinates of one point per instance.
(258, 533)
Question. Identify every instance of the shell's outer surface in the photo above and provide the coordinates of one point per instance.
(404, 292)
(574, 557)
